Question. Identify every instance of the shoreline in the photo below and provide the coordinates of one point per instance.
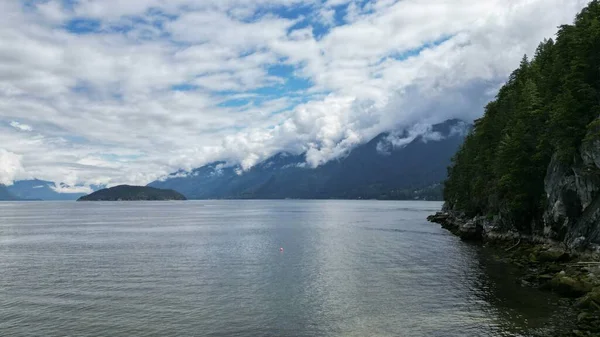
(545, 265)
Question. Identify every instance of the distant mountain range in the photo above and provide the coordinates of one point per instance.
(5, 194)
(390, 166)
(40, 190)
(394, 165)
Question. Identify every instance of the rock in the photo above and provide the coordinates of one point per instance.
(573, 197)
(551, 269)
(592, 277)
(582, 316)
(525, 284)
(439, 217)
(533, 258)
(447, 220)
(545, 278)
(590, 301)
(563, 204)
(470, 230)
(553, 255)
(570, 287)
(578, 333)
(583, 302)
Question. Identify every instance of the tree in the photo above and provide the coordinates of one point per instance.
(546, 106)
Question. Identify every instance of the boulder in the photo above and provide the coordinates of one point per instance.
(439, 217)
(552, 255)
(590, 301)
(470, 230)
(570, 287)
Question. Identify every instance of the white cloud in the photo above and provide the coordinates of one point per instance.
(104, 110)
(401, 139)
(327, 16)
(72, 189)
(19, 126)
(10, 167)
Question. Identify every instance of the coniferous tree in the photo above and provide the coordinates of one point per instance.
(546, 107)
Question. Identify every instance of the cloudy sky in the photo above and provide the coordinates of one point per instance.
(113, 91)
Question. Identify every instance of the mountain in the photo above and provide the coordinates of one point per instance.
(5, 194)
(375, 170)
(42, 190)
(531, 166)
(131, 193)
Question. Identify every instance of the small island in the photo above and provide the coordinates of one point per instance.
(132, 193)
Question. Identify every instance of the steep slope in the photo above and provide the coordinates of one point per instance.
(377, 169)
(132, 193)
(531, 167)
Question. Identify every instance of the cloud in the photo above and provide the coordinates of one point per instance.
(10, 167)
(126, 91)
(19, 126)
(72, 189)
(400, 139)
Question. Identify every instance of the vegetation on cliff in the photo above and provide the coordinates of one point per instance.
(530, 170)
(547, 109)
(130, 193)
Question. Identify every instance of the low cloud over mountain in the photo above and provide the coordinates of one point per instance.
(409, 167)
(111, 92)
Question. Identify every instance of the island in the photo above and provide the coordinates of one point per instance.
(132, 193)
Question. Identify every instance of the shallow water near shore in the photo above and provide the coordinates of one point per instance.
(213, 268)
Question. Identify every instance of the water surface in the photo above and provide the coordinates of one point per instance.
(213, 268)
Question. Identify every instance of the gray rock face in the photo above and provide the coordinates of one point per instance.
(564, 205)
(471, 229)
(573, 192)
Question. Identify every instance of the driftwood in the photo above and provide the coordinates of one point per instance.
(513, 247)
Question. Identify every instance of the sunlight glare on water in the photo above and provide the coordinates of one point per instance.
(214, 268)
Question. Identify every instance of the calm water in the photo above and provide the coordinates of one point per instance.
(213, 268)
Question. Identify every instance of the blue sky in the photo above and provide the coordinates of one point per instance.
(112, 91)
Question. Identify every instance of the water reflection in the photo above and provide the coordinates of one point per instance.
(214, 269)
(519, 310)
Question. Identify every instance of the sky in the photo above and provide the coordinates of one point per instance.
(113, 91)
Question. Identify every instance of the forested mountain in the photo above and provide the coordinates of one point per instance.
(375, 170)
(533, 161)
(132, 193)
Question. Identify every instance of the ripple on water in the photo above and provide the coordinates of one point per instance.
(350, 268)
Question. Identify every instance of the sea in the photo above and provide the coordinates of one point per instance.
(254, 268)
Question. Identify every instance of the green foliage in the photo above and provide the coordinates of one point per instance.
(547, 106)
(593, 132)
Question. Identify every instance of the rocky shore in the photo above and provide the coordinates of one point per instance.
(547, 265)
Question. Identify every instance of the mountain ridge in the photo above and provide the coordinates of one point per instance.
(40, 190)
(6, 195)
(377, 169)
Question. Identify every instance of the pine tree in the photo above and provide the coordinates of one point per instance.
(547, 106)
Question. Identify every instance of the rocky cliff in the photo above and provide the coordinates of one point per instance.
(573, 199)
(531, 166)
(560, 253)
(572, 213)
